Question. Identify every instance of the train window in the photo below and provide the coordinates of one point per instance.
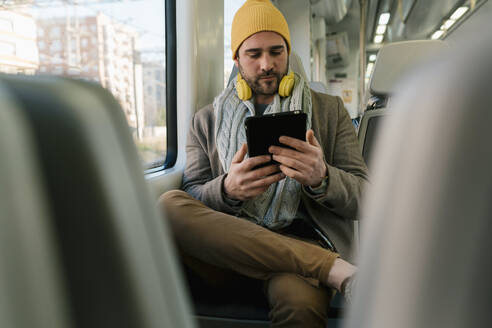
(230, 8)
(117, 44)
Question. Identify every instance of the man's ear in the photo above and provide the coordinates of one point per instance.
(236, 62)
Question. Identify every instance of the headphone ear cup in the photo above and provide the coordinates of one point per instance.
(286, 85)
(243, 90)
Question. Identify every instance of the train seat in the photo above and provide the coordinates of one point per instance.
(87, 247)
(424, 260)
(295, 63)
(246, 304)
(394, 61)
(29, 277)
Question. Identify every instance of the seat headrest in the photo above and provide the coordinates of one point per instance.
(396, 59)
(296, 65)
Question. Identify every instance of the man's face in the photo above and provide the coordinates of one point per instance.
(263, 60)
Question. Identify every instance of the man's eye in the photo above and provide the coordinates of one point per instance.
(275, 53)
(255, 55)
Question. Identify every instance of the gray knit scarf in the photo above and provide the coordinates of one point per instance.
(276, 207)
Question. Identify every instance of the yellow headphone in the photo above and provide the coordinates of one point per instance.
(284, 89)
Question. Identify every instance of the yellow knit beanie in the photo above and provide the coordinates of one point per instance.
(256, 16)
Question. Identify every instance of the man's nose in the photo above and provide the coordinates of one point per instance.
(266, 62)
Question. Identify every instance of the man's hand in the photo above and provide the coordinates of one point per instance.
(243, 182)
(305, 163)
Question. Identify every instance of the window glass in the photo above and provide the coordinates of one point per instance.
(7, 48)
(114, 43)
(5, 25)
(230, 8)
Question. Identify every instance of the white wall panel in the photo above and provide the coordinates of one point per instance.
(297, 14)
(200, 73)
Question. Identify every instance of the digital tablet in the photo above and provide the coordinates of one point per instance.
(264, 131)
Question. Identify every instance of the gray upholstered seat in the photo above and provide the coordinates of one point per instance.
(29, 273)
(425, 259)
(81, 242)
(245, 304)
(394, 62)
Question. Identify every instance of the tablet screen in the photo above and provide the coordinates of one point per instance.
(264, 131)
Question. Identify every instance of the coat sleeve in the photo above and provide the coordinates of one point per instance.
(347, 174)
(198, 178)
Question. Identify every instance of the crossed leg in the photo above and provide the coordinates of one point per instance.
(242, 246)
(239, 245)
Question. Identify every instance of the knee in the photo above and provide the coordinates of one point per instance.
(171, 204)
(182, 212)
(294, 301)
(171, 197)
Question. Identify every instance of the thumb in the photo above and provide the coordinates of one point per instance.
(311, 139)
(239, 156)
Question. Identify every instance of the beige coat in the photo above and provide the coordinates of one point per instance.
(347, 172)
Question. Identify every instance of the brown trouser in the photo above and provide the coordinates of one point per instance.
(290, 267)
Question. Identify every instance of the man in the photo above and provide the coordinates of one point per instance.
(259, 222)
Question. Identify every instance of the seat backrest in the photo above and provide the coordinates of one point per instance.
(295, 63)
(397, 59)
(394, 62)
(424, 260)
(247, 307)
(30, 276)
(107, 254)
(368, 129)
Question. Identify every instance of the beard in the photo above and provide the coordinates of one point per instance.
(266, 83)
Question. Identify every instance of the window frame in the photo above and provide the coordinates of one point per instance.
(171, 90)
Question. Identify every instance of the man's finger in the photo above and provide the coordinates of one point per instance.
(295, 143)
(291, 173)
(257, 160)
(291, 162)
(239, 156)
(258, 174)
(275, 150)
(265, 171)
(311, 138)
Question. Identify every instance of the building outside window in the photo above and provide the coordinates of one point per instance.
(103, 41)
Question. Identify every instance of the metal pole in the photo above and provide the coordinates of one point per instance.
(362, 54)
